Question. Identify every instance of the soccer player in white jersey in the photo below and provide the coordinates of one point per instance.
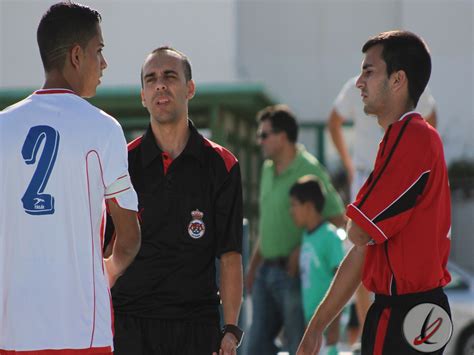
(62, 161)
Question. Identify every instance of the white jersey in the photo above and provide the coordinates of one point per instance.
(367, 132)
(60, 157)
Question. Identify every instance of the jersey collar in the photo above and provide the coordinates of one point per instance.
(151, 150)
(54, 91)
(408, 114)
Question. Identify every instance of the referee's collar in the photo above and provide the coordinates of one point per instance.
(151, 151)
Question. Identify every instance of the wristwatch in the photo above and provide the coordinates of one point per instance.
(234, 330)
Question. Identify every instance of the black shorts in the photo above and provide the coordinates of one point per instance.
(353, 318)
(147, 336)
(385, 323)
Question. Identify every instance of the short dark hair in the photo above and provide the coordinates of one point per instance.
(188, 73)
(281, 119)
(404, 50)
(64, 25)
(309, 189)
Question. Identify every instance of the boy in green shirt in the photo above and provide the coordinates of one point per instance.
(321, 250)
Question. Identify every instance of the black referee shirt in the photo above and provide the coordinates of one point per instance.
(190, 211)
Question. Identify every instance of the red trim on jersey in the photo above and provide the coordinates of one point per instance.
(92, 244)
(135, 143)
(366, 223)
(102, 234)
(229, 159)
(167, 160)
(139, 214)
(382, 327)
(92, 237)
(105, 350)
(54, 91)
(100, 165)
(116, 192)
(112, 314)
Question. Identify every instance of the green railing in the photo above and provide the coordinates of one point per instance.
(224, 113)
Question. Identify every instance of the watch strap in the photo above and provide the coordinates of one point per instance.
(235, 331)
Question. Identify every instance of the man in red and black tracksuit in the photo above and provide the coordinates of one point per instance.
(400, 222)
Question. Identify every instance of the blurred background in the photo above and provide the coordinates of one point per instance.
(247, 54)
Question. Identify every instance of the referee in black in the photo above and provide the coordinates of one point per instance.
(190, 210)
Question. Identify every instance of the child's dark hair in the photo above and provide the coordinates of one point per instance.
(309, 189)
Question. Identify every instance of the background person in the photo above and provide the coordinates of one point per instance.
(272, 276)
(321, 251)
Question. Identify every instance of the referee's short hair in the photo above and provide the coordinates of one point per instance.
(188, 73)
(281, 119)
(309, 189)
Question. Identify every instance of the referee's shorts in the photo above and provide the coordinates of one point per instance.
(148, 336)
(411, 324)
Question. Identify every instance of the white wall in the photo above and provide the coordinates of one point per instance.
(302, 50)
(203, 29)
(305, 50)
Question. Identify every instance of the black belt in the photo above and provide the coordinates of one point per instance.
(409, 298)
(278, 262)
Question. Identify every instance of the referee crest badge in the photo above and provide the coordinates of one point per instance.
(196, 227)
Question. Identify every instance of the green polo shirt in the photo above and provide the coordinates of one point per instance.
(278, 234)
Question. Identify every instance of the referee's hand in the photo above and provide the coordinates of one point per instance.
(228, 345)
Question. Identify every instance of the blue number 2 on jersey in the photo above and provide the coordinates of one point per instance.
(35, 202)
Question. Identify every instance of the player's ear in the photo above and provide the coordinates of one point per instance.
(398, 79)
(191, 89)
(143, 98)
(75, 56)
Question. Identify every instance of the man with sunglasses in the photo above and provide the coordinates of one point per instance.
(273, 270)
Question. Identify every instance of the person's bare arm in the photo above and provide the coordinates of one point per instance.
(363, 301)
(231, 288)
(335, 122)
(339, 220)
(255, 261)
(346, 281)
(231, 285)
(333, 331)
(356, 234)
(432, 118)
(293, 264)
(127, 240)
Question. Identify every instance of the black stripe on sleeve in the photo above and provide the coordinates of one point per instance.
(406, 201)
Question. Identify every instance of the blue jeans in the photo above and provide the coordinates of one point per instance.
(276, 303)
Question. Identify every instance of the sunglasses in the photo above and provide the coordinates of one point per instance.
(264, 135)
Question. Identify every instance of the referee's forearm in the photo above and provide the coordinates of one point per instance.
(231, 286)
